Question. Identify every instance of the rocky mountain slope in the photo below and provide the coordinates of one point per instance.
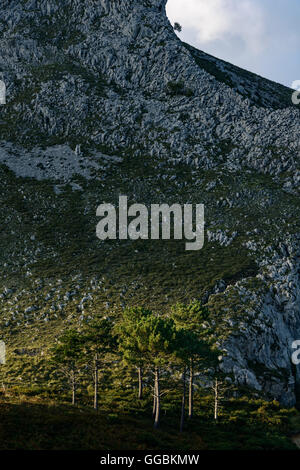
(103, 99)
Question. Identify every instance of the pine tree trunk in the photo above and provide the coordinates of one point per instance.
(216, 400)
(96, 379)
(73, 388)
(191, 390)
(154, 402)
(157, 396)
(140, 373)
(183, 400)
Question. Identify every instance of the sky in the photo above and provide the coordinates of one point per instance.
(262, 36)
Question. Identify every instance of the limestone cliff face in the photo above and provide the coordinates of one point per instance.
(120, 62)
(270, 325)
(111, 76)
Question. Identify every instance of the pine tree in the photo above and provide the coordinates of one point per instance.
(192, 318)
(130, 348)
(67, 357)
(219, 389)
(177, 27)
(160, 334)
(99, 341)
(128, 344)
(190, 349)
(147, 340)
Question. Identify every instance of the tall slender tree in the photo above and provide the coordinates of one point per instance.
(193, 318)
(148, 340)
(220, 389)
(159, 335)
(67, 357)
(182, 359)
(99, 341)
(190, 348)
(131, 349)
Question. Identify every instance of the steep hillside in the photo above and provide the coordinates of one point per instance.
(103, 99)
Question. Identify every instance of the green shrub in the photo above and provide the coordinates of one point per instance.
(178, 88)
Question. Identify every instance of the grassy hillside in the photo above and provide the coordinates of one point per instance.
(51, 247)
(40, 424)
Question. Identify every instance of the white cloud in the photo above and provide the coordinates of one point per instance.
(221, 20)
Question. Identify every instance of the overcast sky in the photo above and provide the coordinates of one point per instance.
(262, 36)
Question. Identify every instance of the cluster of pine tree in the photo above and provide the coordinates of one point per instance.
(181, 342)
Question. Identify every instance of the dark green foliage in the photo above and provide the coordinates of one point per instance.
(191, 316)
(177, 27)
(98, 342)
(69, 348)
(178, 88)
(67, 356)
(98, 336)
